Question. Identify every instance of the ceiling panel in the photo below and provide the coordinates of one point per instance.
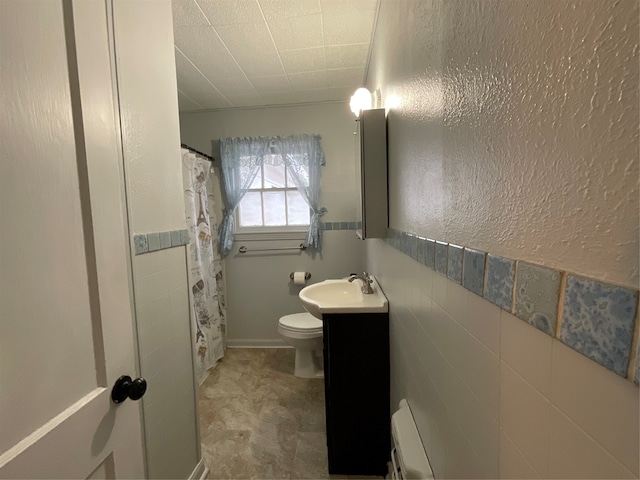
(278, 98)
(275, 83)
(247, 39)
(307, 60)
(345, 76)
(201, 44)
(297, 32)
(288, 8)
(231, 12)
(253, 100)
(193, 84)
(347, 7)
(319, 95)
(340, 29)
(308, 80)
(186, 104)
(238, 53)
(187, 13)
(346, 56)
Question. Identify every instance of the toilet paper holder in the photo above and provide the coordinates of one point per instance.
(307, 275)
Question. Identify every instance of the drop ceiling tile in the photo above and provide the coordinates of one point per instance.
(342, 93)
(187, 13)
(342, 29)
(316, 95)
(275, 83)
(231, 12)
(278, 98)
(306, 60)
(298, 32)
(308, 80)
(250, 37)
(252, 47)
(236, 87)
(347, 56)
(193, 84)
(288, 8)
(257, 64)
(186, 104)
(246, 100)
(347, 6)
(202, 46)
(345, 76)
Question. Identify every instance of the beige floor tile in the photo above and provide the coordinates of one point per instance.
(259, 421)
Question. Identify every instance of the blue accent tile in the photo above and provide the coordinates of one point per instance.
(344, 226)
(352, 225)
(537, 292)
(389, 236)
(454, 263)
(175, 238)
(636, 377)
(184, 237)
(413, 246)
(327, 226)
(406, 243)
(499, 287)
(140, 242)
(154, 241)
(441, 257)
(473, 271)
(421, 249)
(165, 240)
(430, 254)
(359, 225)
(597, 321)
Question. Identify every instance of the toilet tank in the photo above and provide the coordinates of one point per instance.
(408, 457)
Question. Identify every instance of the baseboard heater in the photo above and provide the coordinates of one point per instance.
(408, 457)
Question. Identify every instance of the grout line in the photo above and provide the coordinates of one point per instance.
(563, 285)
(634, 358)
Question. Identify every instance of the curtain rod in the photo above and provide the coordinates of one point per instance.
(208, 157)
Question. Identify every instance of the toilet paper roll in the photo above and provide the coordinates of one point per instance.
(299, 278)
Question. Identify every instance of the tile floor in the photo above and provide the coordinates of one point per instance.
(258, 421)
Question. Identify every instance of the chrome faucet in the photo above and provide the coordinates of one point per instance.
(366, 282)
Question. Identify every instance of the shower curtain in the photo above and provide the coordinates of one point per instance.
(206, 281)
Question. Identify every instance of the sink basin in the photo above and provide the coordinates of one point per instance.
(342, 296)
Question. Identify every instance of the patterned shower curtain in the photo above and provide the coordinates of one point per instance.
(206, 282)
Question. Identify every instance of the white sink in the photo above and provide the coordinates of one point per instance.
(342, 296)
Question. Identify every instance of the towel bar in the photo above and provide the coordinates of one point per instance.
(244, 249)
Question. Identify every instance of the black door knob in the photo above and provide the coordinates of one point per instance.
(127, 388)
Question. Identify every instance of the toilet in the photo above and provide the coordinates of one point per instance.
(304, 332)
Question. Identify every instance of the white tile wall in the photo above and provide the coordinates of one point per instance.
(164, 338)
(492, 396)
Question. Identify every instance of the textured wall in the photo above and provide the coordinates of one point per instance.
(513, 128)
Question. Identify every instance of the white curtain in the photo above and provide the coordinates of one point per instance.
(206, 282)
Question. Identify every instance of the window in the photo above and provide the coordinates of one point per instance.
(273, 200)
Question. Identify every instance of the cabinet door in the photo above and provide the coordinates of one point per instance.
(357, 392)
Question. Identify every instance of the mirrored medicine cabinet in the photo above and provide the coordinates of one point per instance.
(371, 174)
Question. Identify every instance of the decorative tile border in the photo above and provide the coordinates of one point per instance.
(341, 225)
(594, 318)
(151, 242)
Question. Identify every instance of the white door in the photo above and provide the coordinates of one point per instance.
(66, 331)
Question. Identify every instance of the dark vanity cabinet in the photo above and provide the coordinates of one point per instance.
(356, 380)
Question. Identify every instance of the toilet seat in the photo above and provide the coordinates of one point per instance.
(301, 322)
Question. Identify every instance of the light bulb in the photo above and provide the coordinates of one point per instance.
(360, 100)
